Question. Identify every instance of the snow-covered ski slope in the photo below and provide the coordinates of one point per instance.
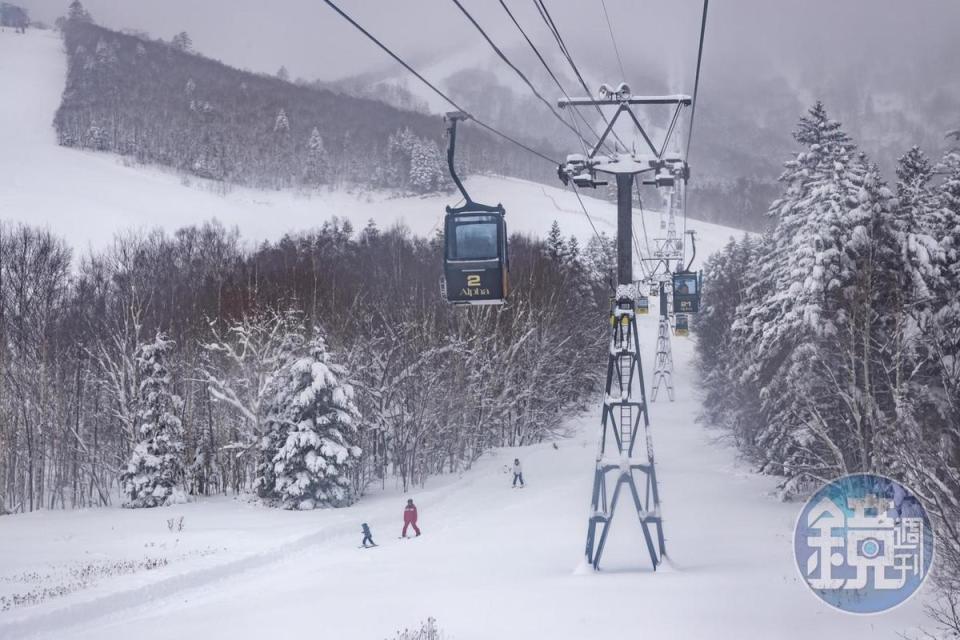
(492, 563)
(87, 197)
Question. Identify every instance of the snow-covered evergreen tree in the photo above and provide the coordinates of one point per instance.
(182, 42)
(312, 440)
(76, 11)
(105, 54)
(571, 251)
(426, 172)
(96, 137)
(154, 475)
(600, 257)
(317, 165)
(283, 74)
(800, 303)
(555, 244)
(281, 124)
(918, 226)
(804, 266)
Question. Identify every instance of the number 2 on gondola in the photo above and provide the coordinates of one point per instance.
(473, 281)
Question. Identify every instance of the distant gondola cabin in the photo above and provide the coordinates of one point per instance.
(686, 292)
(681, 325)
(643, 305)
(475, 265)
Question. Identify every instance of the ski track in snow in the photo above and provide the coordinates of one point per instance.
(492, 562)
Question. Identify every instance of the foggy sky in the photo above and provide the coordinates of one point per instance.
(745, 38)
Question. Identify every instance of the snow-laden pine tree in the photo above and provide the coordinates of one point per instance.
(76, 11)
(281, 124)
(918, 227)
(555, 243)
(312, 439)
(797, 301)
(426, 173)
(182, 42)
(317, 164)
(96, 138)
(154, 475)
(804, 270)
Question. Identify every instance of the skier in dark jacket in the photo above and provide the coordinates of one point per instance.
(367, 536)
(410, 518)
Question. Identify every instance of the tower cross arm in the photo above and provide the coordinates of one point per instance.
(589, 102)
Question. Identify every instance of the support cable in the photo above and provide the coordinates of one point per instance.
(696, 80)
(693, 109)
(456, 106)
(516, 69)
(616, 49)
(551, 25)
(550, 72)
(584, 208)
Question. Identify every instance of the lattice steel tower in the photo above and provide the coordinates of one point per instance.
(625, 459)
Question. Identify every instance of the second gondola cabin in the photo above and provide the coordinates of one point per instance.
(643, 305)
(681, 326)
(686, 292)
(476, 267)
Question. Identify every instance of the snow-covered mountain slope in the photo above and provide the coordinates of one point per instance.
(493, 562)
(87, 196)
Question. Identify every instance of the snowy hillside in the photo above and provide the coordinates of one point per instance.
(88, 196)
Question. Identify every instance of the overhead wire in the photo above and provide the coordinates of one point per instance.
(696, 80)
(576, 192)
(429, 84)
(693, 112)
(552, 27)
(550, 71)
(515, 68)
(613, 39)
(643, 220)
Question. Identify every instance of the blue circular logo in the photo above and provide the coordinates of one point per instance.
(863, 543)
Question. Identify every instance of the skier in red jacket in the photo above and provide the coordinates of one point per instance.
(410, 518)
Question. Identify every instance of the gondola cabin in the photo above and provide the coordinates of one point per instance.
(643, 305)
(476, 268)
(686, 292)
(681, 325)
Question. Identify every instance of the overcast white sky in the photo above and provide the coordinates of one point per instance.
(313, 42)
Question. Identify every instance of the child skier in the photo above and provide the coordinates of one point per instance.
(517, 472)
(410, 518)
(367, 536)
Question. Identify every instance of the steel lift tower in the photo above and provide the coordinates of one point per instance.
(625, 458)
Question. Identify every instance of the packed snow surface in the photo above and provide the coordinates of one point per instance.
(493, 562)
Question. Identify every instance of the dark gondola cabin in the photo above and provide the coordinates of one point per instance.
(643, 305)
(681, 326)
(686, 292)
(475, 264)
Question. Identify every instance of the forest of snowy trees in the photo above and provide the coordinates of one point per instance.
(159, 103)
(303, 370)
(831, 345)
